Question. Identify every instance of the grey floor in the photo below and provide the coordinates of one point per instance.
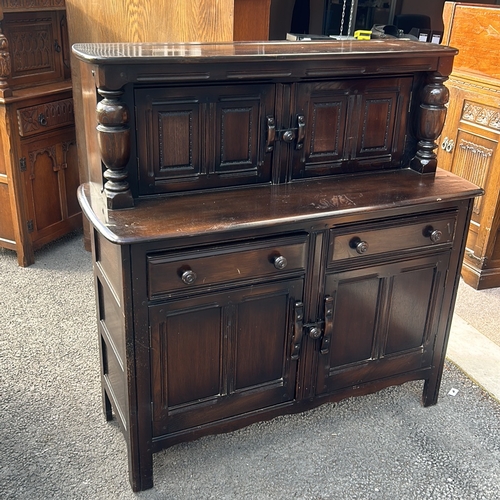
(55, 443)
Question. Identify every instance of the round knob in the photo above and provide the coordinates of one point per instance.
(188, 277)
(362, 247)
(288, 136)
(436, 235)
(42, 120)
(315, 332)
(280, 262)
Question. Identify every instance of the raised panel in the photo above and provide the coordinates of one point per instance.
(352, 125)
(412, 290)
(324, 107)
(382, 124)
(384, 319)
(186, 348)
(377, 125)
(238, 131)
(42, 184)
(260, 351)
(194, 138)
(354, 319)
(221, 355)
(51, 181)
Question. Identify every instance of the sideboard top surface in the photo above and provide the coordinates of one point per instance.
(201, 213)
(147, 53)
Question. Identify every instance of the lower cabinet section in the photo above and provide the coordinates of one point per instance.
(211, 333)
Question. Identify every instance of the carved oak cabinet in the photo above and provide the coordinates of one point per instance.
(38, 158)
(270, 229)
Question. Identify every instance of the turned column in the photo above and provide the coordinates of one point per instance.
(113, 135)
(430, 123)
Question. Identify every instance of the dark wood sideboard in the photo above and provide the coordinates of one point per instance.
(38, 155)
(270, 230)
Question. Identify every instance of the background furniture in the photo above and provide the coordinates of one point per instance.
(38, 157)
(407, 22)
(469, 142)
(285, 238)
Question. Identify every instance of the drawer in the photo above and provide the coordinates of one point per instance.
(391, 236)
(43, 117)
(224, 265)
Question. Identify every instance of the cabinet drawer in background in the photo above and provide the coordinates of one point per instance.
(185, 271)
(43, 117)
(391, 236)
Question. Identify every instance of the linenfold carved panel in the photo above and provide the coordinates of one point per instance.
(473, 161)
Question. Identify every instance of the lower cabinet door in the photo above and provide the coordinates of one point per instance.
(380, 321)
(222, 354)
(51, 182)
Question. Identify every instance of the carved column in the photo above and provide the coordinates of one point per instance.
(113, 134)
(431, 117)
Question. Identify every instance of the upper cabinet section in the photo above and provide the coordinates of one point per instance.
(192, 116)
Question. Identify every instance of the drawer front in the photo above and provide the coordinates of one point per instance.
(172, 272)
(391, 236)
(34, 120)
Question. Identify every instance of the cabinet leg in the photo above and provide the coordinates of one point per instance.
(140, 467)
(106, 406)
(25, 255)
(431, 390)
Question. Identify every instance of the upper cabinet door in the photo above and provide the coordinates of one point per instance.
(350, 126)
(36, 44)
(197, 137)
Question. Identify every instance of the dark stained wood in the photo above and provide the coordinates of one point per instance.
(280, 251)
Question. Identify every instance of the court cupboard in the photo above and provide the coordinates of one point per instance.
(270, 229)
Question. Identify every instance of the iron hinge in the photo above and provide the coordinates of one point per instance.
(22, 164)
(30, 225)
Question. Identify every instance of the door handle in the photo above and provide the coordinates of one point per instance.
(271, 134)
(297, 330)
(301, 131)
(448, 145)
(327, 337)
